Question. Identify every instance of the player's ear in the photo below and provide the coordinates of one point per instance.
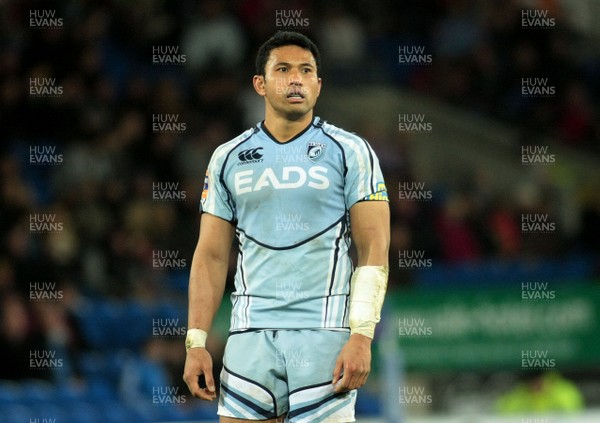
(319, 88)
(258, 81)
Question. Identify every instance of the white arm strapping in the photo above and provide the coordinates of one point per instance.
(196, 338)
(367, 291)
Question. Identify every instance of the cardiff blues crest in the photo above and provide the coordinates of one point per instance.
(315, 150)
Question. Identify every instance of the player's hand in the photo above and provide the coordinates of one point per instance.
(353, 364)
(199, 362)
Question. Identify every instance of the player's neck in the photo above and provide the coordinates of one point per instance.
(284, 129)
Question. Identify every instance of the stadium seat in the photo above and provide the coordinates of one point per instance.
(37, 391)
(16, 413)
(48, 413)
(85, 412)
(10, 393)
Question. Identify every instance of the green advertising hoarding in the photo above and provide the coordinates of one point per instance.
(530, 327)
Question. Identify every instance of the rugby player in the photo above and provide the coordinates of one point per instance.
(295, 190)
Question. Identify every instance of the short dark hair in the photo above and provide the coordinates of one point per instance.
(285, 38)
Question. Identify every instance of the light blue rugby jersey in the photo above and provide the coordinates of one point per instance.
(289, 203)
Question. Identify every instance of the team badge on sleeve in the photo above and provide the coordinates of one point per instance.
(315, 150)
(380, 195)
(205, 188)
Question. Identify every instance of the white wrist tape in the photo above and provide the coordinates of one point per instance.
(367, 291)
(196, 338)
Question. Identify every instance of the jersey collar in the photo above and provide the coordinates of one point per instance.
(262, 126)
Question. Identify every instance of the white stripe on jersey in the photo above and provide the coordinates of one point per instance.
(243, 316)
(218, 156)
(240, 315)
(363, 162)
(340, 279)
(330, 270)
(343, 278)
(334, 306)
(234, 319)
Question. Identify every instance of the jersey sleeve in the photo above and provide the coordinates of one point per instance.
(216, 198)
(364, 179)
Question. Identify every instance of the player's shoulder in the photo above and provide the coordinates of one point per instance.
(224, 149)
(343, 137)
(340, 134)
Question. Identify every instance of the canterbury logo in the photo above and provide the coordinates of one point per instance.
(251, 154)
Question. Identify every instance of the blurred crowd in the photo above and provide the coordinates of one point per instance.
(110, 157)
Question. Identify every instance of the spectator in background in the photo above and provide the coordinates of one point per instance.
(541, 392)
(213, 40)
(343, 40)
(18, 336)
(458, 238)
(504, 230)
(576, 117)
(458, 33)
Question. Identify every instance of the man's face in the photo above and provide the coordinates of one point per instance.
(290, 85)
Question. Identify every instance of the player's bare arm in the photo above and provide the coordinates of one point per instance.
(370, 225)
(207, 282)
